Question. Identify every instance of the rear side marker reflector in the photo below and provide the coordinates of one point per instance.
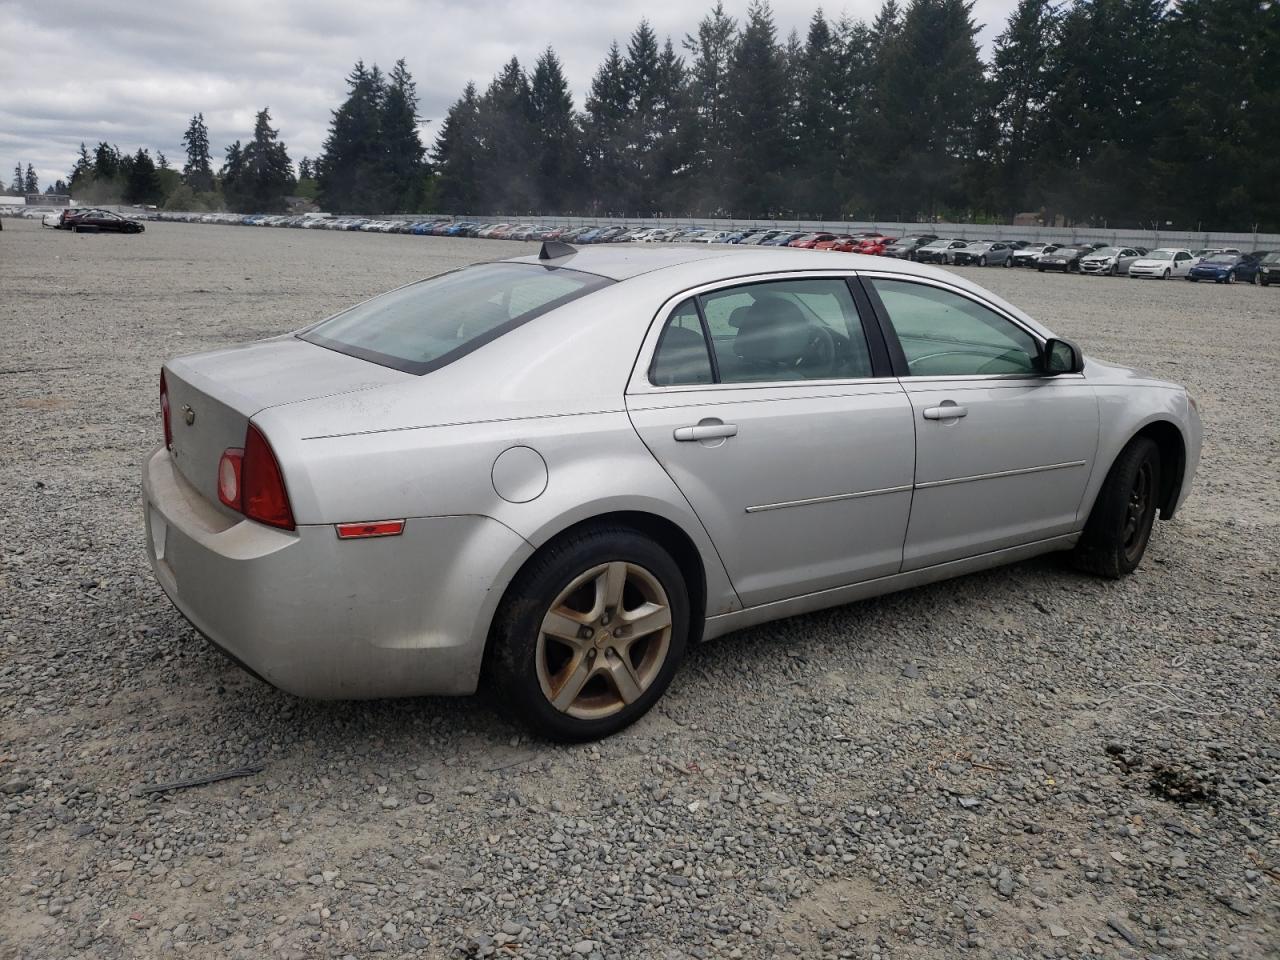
(376, 528)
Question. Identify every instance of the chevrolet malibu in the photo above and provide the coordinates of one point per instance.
(551, 475)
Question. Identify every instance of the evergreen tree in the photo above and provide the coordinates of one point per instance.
(31, 183)
(82, 172)
(457, 156)
(1108, 88)
(932, 88)
(15, 187)
(266, 175)
(506, 138)
(106, 161)
(710, 90)
(674, 125)
(1209, 130)
(758, 104)
(198, 171)
(404, 158)
(640, 131)
(234, 187)
(605, 130)
(349, 170)
(1020, 71)
(555, 138)
(819, 127)
(304, 169)
(162, 162)
(143, 184)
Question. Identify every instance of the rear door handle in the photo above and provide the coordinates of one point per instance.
(707, 431)
(948, 411)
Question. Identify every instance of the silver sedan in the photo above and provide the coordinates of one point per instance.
(552, 474)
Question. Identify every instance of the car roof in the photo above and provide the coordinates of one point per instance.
(686, 267)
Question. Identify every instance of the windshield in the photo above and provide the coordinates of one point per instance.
(1223, 258)
(425, 325)
(1161, 254)
(938, 245)
(1273, 257)
(1106, 251)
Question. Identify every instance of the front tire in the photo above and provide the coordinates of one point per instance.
(1165, 275)
(1119, 526)
(590, 634)
(982, 260)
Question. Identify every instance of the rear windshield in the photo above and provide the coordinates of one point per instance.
(425, 325)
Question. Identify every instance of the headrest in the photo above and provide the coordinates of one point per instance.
(773, 331)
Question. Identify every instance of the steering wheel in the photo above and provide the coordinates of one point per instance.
(820, 355)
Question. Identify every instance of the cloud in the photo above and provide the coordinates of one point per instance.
(133, 72)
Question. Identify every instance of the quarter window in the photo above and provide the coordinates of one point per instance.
(945, 334)
(681, 357)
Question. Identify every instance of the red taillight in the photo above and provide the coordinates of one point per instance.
(250, 481)
(262, 490)
(164, 411)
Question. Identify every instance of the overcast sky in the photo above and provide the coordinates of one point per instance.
(132, 72)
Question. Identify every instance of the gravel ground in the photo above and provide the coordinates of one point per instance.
(1026, 762)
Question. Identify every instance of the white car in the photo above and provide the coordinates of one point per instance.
(1162, 264)
(712, 236)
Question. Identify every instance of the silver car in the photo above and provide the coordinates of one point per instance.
(552, 474)
(1112, 261)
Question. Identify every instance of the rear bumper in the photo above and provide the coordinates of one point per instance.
(325, 618)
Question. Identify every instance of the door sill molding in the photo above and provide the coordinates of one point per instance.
(718, 626)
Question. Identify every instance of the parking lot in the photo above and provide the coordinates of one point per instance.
(1025, 762)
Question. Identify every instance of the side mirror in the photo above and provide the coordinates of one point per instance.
(1060, 356)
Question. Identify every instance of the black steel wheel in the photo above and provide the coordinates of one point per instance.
(1118, 530)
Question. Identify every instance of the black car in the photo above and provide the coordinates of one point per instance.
(1269, 268)
(101, 221)
(905, 249)
(1066, 259)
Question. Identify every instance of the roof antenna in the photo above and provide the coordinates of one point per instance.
(554, 249)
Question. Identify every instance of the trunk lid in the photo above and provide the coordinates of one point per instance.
(213, 396)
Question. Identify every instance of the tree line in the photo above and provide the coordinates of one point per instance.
(1107, 112)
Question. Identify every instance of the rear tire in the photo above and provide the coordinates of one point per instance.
(539, 675)
(1119, 526)
(982, 260)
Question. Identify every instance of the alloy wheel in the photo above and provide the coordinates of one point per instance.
(604, 640)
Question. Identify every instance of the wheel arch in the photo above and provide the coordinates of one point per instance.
(1173, 461)
(662, 530)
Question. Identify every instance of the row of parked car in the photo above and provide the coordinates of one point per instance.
(1227, 265)
(1221, 265)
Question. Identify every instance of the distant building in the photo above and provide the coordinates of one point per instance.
(48, 200)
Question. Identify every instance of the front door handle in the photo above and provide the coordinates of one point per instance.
(707, 431)
(948, 411)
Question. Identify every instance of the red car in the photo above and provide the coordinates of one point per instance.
(809, 240)
(833, 242)
(874, 246)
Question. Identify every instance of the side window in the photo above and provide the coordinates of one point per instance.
(945, 334)
(681, 357)
(786, 330)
